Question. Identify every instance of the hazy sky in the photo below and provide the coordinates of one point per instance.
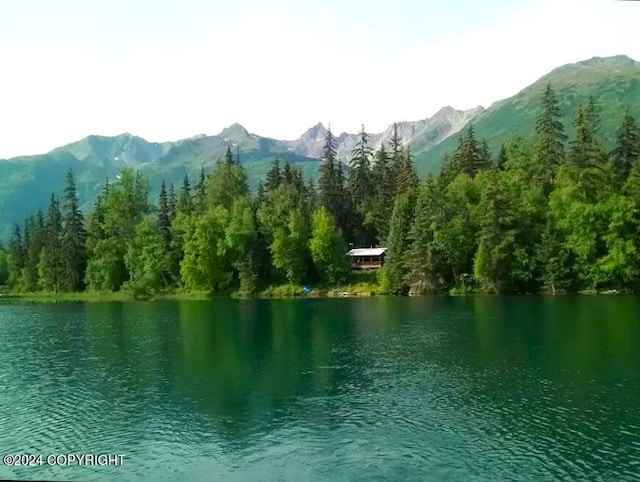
(170, 69)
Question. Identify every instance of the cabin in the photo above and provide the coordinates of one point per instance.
(367, 258)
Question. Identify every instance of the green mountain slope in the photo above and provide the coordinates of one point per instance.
(26, 183)
(613, 81)
(255, 152)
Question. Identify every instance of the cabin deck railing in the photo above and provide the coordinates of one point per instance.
(364, 266)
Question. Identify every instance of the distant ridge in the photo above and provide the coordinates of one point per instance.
(613, 81)
(26, 182)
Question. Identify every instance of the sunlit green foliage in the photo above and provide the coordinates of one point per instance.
(546, 213)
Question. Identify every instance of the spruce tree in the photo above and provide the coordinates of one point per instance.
(424, 261)
(501, 160)
(16, 258)
(549, 139)
(33, 250)
(394, 272)
(173, 203)
(228, 157)
(287, 174)
(95, 224)
(361, 188)
(73, 241)
(225, 184)
(492, 262)
(332, 192)
(327, 182)
(164, 216)
(360, 182)
(51, 267)
(627, 151)
(580, 154)
(407, 176)
(201, 194)
(274, 176)
(384, 193)
(469, 157)
(185, 200)
(395, 157)
(261, 193)
(587, 154)
(587, 150)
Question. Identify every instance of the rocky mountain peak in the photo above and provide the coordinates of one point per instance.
(235, 131)
(314, 133)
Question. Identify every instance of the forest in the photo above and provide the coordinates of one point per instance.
(551, 214)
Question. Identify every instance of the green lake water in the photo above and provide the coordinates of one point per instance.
(522, 388)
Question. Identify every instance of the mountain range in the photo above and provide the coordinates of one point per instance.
(26, 182)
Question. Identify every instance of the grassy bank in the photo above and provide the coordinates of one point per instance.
(359, 284)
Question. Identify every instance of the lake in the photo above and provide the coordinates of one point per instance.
(477, 388)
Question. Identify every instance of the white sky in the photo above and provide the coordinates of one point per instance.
(170, 69)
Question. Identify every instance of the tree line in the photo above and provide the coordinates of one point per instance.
(213, 235)
(551, 214)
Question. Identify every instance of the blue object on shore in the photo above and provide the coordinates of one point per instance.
(307, 289)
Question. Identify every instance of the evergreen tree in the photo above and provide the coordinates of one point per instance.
(173, 203)
(485, 154)
(33, 250)
(361, 188)
(226, 183)
(164, 216)
(555, 259)
(360, 170)
(287, 174)
(4, 266)
(396, 160)
(501, 160)
(228, 157)
(469, 157)
(424, 259)
(16, 257)
(394, 273)
(448, 171)
(328, 190)
(332, 193)
(73, 243)
(587, 155)
(140, 195)
(384, 193)
(51, 267)
(185, 200)
(124, 205)
(627, 151)
(407, 176)
(580, 148)
(592, 119)
(274, 176)
(549, 138)
(456, 228)
(95, 223)
(200, 203)
(586, 150)
(261, 193)
(492, 263)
